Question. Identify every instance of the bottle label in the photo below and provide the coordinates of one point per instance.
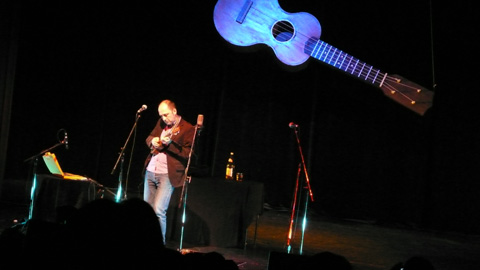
(229, 174)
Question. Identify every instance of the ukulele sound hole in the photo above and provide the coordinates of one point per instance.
(283, 31)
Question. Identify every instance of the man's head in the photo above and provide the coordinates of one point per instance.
(167, 111)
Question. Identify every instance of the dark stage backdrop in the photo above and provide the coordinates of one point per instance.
(89, 67)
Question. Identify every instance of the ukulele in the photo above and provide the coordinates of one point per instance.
(295, 37)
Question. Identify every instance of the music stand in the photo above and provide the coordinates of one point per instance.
(34, 170)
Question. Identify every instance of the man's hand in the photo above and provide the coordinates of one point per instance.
(166, 140)
(156, 142)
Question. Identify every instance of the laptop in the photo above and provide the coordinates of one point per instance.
(55, 169)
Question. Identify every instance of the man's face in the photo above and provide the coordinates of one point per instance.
(167, 115)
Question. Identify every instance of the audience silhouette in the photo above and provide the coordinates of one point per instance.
(210, 260)
(414, 263)
(327, 261)
(103, 234)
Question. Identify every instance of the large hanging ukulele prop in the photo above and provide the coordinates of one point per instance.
(294, 37)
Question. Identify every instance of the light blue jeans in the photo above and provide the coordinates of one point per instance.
(157, 192)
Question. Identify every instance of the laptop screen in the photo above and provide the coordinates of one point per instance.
(52, 164)
(55, 169)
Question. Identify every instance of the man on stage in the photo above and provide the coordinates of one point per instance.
(170, 142)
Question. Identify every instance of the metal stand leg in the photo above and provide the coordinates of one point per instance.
(32, 191)
(301, 166)
(184, 213)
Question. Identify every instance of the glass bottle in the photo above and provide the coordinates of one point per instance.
(229, 175)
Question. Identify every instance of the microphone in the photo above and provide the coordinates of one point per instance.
(293, 125)
(199, 123)
(143, 108)
(65, 140)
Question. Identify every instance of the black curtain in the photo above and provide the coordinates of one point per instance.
(89, 68)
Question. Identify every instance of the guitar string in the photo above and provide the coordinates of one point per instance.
(382, 80)
(386, 82)
(365, 70)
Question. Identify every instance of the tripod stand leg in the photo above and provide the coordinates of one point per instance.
(292, 215)
(118, 197)
(32, 197)
(34, 186)
(304, 225)
(184, 214)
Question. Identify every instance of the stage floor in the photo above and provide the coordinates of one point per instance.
(367, 245)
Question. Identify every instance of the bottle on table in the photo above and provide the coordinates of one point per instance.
(229, 175)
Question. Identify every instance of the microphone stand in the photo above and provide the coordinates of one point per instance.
(34, 174)
(183, 196)
(295, 198)
(121, 159)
